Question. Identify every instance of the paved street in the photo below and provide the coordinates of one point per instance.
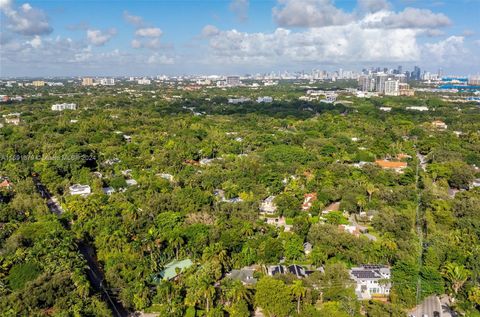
(430, 307)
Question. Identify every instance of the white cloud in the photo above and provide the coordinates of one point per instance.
(451, 49)
(159, 59)
(373, 5)
(149, 32)
(333, 44)
(152, 44)
(133, 19)
(36, 42)
(411, 18)
(25, 20)
(309, 13)
(98, 37)
(210, 30)
(240, 8)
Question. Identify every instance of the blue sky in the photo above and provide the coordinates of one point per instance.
(59, 38)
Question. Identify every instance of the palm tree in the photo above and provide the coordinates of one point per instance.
(298, 291)
(238, 292)
(370, 188)
(361, 202)
(176, 241)
(457, 275)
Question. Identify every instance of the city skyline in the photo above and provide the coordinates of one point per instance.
(51, 38)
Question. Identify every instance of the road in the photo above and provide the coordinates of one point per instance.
(430, 307)
(94, 271)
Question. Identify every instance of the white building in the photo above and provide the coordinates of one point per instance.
(418, 108)
(64, 106)
(268, 206)
(371, 280)
(77, 189)
(144, 81)
(265, 99)
(238, 100)
(107, 81)
(391, 88)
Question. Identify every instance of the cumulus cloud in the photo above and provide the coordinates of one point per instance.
(149, 32)
(36, 42)
(333, 44)
(134, 20)
(373, 5)
(309, 13)
(25, 19)
(149, 43)
(98, 37)
(160, 59)
(450, 49)
(411, 18)
(240, 8)
(210, 30)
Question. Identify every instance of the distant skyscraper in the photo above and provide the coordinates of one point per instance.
(391, 87)
(416, 74)
(399, 69)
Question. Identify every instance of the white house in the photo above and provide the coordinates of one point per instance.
(64, 106)
(268, 206)
(371, 280)
(77, 189)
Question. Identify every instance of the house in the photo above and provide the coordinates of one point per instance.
(278, 222)
(12, 118)
(386, 109)
(475, 183)
(438, 124)
(110, 162)
(127, 172)
(297, 270)
(82, 190)
(276, 269)
(268, 206)
(371, 280)
(308, 201)
(352, 229)
(244, 275)
(174, 268)
(131, 182)
(332, 207)
(108, 190)
(127, 138)
(392, 165)
(307, 248)
(166, 176)
(6, 184)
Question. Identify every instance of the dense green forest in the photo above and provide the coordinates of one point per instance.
(202, 168)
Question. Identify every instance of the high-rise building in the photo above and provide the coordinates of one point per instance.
(380, 82)
(416, 74)
(391, 87)
(233, 81)
(87, 81)
(366, 83)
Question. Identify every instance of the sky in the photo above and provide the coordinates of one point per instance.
(176, 37)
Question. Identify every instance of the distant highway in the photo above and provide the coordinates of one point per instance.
(94, 272)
